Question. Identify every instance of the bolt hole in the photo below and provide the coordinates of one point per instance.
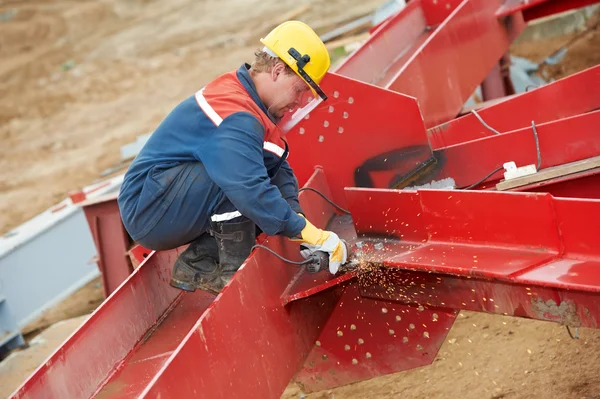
(326, 123)
(350, 100)
(340, 129)
(321, 139)
(345, 115)
(331, 109)
(336, 94)
(301, 130)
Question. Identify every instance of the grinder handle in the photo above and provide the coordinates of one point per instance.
(320, 261)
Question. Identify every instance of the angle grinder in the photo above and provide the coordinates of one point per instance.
(319, 260)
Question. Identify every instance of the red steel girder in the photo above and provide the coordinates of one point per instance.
(572, 308)
(97, 348)
(562, 141)
(521, 238)
(111, 240)
(533, 9)
(355, 124)
(406, 54)
(151, 340)
(366, 338)
(566, 97)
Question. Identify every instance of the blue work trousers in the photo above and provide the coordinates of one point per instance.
(181, 202)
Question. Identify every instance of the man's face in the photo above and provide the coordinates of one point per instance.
(289, 92)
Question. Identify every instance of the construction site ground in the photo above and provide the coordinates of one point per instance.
(80, 79)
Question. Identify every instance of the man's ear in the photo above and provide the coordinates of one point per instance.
(277, 70)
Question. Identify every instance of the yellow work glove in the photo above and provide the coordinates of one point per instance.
(315, 239)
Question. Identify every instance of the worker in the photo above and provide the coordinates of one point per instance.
(215, 169)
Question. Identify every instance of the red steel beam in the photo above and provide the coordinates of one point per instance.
(534, 9)
(101, 343)
(111, 240)
(566, 97)
(535, 239)
(366, 338)
(143, 340)
(354, 124)
(563, 141)
(527, 255)
(576, 309)
(405, 55)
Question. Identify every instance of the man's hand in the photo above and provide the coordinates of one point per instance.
(314, 239)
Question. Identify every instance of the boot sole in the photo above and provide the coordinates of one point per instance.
(183, 286)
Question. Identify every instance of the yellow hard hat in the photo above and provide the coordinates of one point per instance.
(302, 50)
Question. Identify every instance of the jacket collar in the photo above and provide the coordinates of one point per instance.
(243, 74)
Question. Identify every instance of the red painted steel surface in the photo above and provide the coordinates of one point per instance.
(573, 308)
(111, 240)
(124, 351)
(91, 353)
(534, 9)
(562, 141)
(305, 284)
(543, 262)
(436, 11)
(132, 376)
(453, 47)
(564, 98)
(247, 344)
(512, 237)
(137, 254)
(405, 57)
(353, 125)
(366, 338)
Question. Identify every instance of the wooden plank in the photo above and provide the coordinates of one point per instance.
(550, 173)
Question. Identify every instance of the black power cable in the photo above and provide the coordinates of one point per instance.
(304, 262)
(498, 169)
(326, 199)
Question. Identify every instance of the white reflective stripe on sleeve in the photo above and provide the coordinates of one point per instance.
(206, 107)
(225, 216)
(274, 148)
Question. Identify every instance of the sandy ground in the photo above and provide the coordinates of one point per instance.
(491, 357)
(80, 79)
(83, 301)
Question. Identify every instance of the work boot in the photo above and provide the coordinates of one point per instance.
(198, 265)
(235, 242)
